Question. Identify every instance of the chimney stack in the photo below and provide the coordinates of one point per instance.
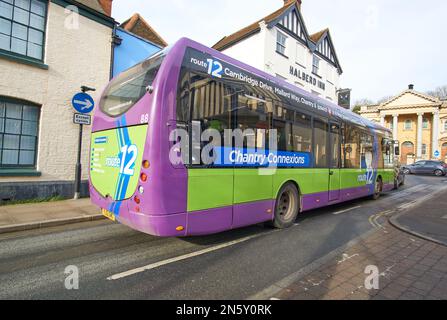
(107, 6)
(411, 86)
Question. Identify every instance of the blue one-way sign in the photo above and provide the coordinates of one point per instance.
(437, 154)
(83, 102)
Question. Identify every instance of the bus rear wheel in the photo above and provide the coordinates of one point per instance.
(286, 206)
(377, 189)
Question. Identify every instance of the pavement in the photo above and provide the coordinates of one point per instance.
(427, 221)
(116, 262)
(408, 268)
(45, 214)
(409, 251)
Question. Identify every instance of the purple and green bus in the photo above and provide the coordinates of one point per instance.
(299, 152)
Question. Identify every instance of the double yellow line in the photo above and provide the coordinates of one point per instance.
(373, 220)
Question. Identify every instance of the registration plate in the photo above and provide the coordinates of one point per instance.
(108, 214)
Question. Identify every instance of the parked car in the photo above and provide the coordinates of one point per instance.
(438, 168)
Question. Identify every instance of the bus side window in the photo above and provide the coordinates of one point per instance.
(320, 145)
(252, 118)
(351, 147)
(211, 109)
(283, 128)
(183, 97)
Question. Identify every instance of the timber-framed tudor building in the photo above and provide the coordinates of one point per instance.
(281, 45)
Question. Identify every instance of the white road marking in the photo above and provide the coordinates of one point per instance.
(407, 192)
(444, 217)
(183, 257)
(346, 210)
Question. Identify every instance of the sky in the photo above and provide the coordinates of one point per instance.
(382, 45)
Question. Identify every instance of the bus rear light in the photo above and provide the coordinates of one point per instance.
(146, 164)
(141, 189)
(137, 209)
(137, 200)
(143, 177)
(180, 228)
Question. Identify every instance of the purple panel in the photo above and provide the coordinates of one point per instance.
(252, 213)
(209, 221)
(355, 193)
(162, 226)
(334, 196)
(315, 200)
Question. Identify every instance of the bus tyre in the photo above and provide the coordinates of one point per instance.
(396, 184)
(286, 206)
(377, 189)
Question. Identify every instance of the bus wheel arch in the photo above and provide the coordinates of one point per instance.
(378, 188)
(287, 205)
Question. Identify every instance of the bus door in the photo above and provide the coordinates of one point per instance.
(334, 161)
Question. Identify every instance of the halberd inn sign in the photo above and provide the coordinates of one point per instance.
(307, 77)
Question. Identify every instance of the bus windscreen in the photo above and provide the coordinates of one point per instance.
(130, 86)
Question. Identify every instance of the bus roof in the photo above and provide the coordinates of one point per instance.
(335, 110)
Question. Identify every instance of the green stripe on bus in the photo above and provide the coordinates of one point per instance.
(214, 188)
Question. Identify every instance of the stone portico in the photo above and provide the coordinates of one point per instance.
(418, 122)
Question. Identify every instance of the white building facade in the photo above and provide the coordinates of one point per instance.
(48, 49)
(280, 44)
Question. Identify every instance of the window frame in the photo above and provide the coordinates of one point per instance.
(22, 104)
(279, 44)
(25, 57)
(424, 149)
(316, 64)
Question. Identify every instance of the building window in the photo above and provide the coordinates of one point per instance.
(425, 123)
(408, 124)
(22, 27)
(315, 65)
(281, 43)
(445, 125)
(424, 149)
(18, 134)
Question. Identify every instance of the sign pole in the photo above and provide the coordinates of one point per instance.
(83, 103)
(77, 194)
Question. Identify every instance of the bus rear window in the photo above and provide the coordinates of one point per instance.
(130, 86)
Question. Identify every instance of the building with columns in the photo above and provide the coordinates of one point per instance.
(418, 122)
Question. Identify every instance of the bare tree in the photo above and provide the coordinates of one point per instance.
(384, 99)
(439, 92)
(363, 102)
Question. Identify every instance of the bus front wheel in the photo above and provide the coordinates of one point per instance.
(286, 206)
